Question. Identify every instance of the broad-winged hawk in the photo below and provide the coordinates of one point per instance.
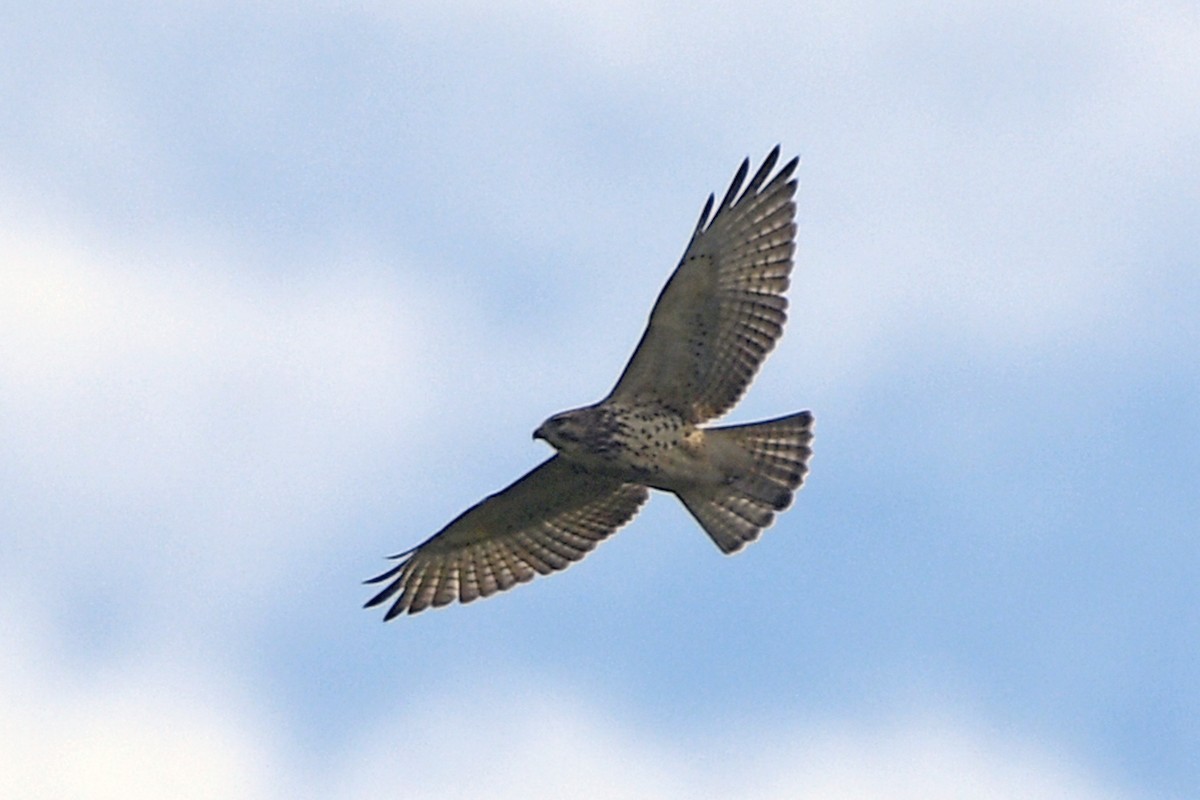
(717, 318)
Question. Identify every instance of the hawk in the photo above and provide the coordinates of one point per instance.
(720, 313)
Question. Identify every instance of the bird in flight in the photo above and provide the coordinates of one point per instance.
(720, 313)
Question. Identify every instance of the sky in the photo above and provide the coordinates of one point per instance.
(284, 287)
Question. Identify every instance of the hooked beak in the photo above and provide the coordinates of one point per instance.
(540, 433)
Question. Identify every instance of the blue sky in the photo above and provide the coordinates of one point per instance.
(285, 287)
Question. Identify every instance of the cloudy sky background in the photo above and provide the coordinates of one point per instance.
(286, 286)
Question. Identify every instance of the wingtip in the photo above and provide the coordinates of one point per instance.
(734, 186)
(383, 576)
(704, 213)
(790, 167)
(398, 606)
(760, 177)
(772, 157)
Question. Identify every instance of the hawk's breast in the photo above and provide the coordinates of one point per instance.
(655, 446)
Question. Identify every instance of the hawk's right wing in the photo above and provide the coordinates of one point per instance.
(551, 517)
(723, 307)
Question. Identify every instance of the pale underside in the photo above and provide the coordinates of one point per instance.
(719, 315)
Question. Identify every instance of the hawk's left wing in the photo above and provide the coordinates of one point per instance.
(723, 307)
(551, 517)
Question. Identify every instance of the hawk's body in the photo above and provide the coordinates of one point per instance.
(717, 318)
(646, 444)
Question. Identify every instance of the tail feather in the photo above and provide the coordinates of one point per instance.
(770, 464)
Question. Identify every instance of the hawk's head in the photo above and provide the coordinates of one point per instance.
(582, 431)
(562, 431)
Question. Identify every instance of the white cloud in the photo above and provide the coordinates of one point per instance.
(179, 416)
(161, 408)
(160, 728)
(522, 741)
(144, 730)
(968, 173)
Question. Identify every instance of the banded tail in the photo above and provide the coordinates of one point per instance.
(772, 460)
